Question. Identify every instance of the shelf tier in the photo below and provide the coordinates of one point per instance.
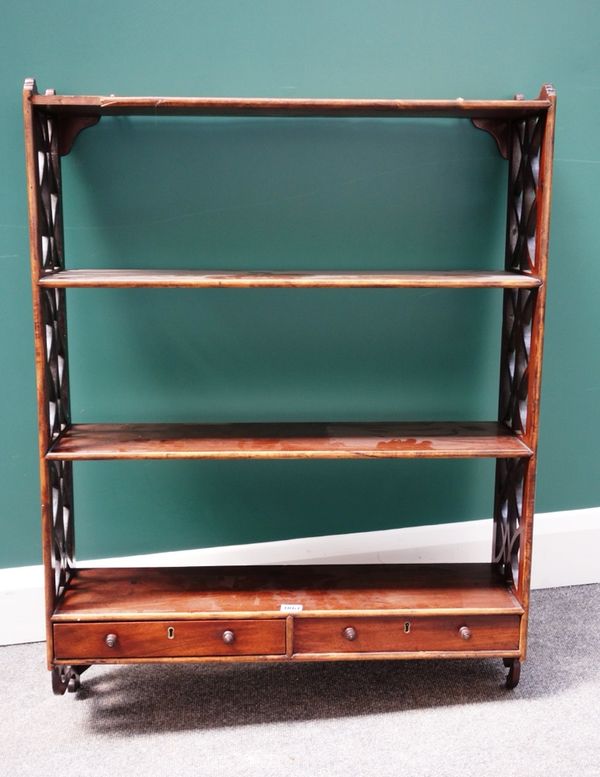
(111, 105)
(205, 279)
(457, 440)
(213, 592)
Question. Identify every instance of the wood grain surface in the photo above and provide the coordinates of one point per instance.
(222, 592)
(326, 635)
(169, 638)
(288, 441)
(208, 279)
(112, 105)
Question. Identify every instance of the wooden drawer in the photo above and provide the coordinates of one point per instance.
(156, 639)
(377, 634)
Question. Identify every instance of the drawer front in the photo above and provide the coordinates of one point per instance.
(156, 639)
(435, 633)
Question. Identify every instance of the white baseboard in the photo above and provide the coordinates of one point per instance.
(565, 553)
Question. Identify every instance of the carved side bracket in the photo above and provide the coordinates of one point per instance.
(498, 129)
(69, 128)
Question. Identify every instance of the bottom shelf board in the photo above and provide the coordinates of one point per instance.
(104, 594)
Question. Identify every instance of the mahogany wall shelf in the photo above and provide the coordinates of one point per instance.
(305, 613)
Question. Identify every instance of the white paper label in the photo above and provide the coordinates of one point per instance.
(290, 608)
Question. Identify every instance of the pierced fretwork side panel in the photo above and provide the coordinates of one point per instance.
(508, 516)
(51, 258)
(525, 143)
(517, 392)
(523, 180)
(57, 378)
(52, 306)
(514, 368)
(49, 214)
(61, 507)
(524, 169)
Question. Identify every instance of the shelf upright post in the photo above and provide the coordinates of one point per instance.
(530, 144)
(46, 242)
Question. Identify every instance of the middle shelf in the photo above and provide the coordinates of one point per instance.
(295, 440)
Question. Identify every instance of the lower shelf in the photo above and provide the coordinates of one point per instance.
(286, 613)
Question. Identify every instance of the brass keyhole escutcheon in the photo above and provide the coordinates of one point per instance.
(170, 633)
(407, 627)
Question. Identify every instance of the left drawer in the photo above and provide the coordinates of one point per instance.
(168, 639)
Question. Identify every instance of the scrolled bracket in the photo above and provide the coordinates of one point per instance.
(68, 125)
(69, 128)
(498, 129)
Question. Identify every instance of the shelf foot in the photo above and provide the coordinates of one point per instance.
(67, 678)
(514, 672)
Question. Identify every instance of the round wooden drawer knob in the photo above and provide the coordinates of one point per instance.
(350, 633)
(110, 640)
(465, 632)
(228, 637)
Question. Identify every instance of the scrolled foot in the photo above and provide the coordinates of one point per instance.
(67, 678)
(60, 679)
(514, 674)
(74, 684)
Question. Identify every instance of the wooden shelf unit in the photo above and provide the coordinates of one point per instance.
(307, 612)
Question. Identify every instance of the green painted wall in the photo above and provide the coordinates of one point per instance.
(305, 194)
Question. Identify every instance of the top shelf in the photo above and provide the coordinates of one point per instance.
(110, 105)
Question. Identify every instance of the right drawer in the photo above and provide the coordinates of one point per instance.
(391, 635)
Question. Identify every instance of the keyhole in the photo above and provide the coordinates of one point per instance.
(170, 633)
(407, 627)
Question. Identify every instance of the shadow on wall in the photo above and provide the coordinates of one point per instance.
(283, 194)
